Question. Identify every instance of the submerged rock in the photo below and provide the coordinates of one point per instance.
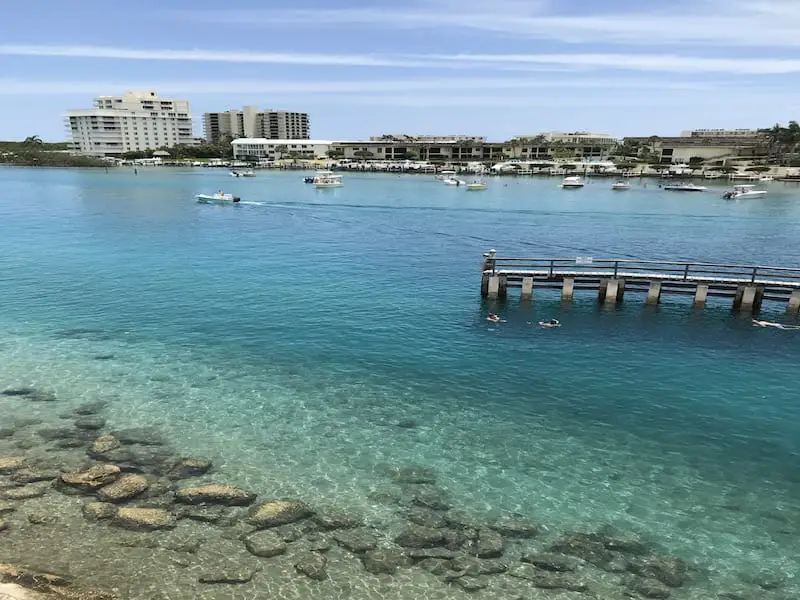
(190, 467)
(226, 495)
(469, 565)
(6, 507)
(145, 519)
(548, 580)
(437, 566)
(415, 475)
(670, 571)
(90, 422)
(589, 547)
(312, 565)
(417, 536)
(32, 579)
(489, 544)
(514, 527)
(41, 518)
(427, 553)
(426, 517)
(91, 408)
(472, 584)
(278, 512)
(231, 575)
(9, 464)
(92, 479)
(23, 493)
(356, 540)
(125, 488)
(431, 497)
(337, 519)
(144, 436)
(103, 445)
(648, 587)
(6, 432)
(30, 394)
(3, 525)
(265, 543)
(60, 433)
(204, 514)
(99, 511)
(549, 561)
(25, 476)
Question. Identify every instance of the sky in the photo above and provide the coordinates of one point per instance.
(497, 68)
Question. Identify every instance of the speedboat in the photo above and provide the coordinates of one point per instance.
(744, 191)
(218, 198)
(444, 175)
(572, 182)
(685, 187)
(621, 186)
(247, 173)
(453, 181)
(235, 174)
(477, 186)
(327, 179)
(714, 175)
(766, 178)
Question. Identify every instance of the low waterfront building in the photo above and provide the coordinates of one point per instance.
(702, 144)
(579, 145)
(251, 122)
(136, 121)
(269, 149)
(424, 148)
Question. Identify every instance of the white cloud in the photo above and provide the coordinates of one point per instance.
(665, 63)
(726, 23)
(388, 88)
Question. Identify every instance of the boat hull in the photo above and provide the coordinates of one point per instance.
(328, 185)
(208, 199)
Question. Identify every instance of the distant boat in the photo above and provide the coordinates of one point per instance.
(453, 181)
(744, 191)
(685, 187)
(621, 186)
(572, 182)
(327, 179)
(766, 178)
(476, 186)
(218, 198)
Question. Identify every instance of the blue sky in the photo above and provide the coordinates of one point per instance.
(485, 67)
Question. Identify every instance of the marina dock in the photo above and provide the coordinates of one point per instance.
(747, 286)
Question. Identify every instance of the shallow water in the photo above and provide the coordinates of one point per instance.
(287, 338)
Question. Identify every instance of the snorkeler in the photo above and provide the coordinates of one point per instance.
(493, 318)
(757, 323)
(550, 323)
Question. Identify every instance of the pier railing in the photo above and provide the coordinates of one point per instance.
(671, 270)
(748, 285)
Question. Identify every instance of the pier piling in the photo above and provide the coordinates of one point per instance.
(654, 293)
(568, 286)
(527, 288)
(700, 295)
(794, 303)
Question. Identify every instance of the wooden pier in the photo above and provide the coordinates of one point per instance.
(747, 286)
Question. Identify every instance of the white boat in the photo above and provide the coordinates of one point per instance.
(445, 175)
(476, 186)
(685, 187)
(247, 173)
(218, 198)
(714, 175)
(766, 178)
(327, 179)
(572, 182)
(621, 186)
(453, 181)
(744, 191)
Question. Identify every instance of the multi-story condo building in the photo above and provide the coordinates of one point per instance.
(272, 149)
(134, 122)
(250, 122)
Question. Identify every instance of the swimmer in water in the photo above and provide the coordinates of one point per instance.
(549, 324)
(757, 323)
(493, 318)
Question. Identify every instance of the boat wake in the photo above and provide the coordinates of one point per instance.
(251, 203)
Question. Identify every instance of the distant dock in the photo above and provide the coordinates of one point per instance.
(747, 286)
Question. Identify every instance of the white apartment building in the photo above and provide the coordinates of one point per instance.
(134, 122)
(251, 122)
(266, 149)
(721, 133)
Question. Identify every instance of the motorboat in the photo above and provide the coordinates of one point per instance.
(766, 178)
(453, 181)
(308, 180)
(620, 186)
(445, 175)
(713, 175)
(243, 174)
(686, 187)
(477, 186)
(572, 182)
(218, 198)
(744, 191)
(327, 179)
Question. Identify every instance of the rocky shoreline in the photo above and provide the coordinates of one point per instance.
(70, 483)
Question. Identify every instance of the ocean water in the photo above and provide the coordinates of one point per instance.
(286, 338)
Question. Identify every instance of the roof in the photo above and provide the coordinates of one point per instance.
(286, 142)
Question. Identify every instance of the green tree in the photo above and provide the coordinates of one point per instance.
(363, 154)
(281, 150)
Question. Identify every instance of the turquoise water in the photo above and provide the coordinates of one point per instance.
(288, 336)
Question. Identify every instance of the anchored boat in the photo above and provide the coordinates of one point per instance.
(572, 182)
(685, 187)
(477, 186)
(621, 186)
